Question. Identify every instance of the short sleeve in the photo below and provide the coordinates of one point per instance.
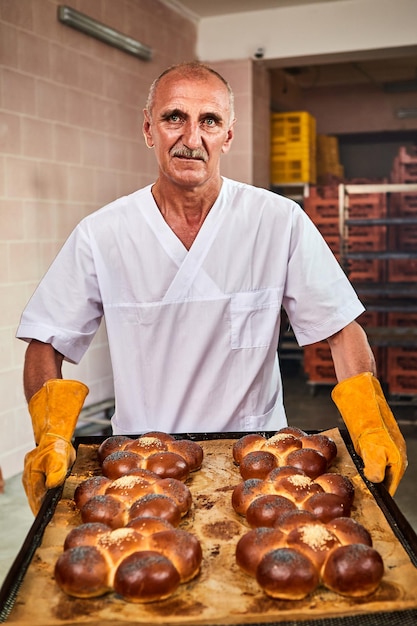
(65, 309)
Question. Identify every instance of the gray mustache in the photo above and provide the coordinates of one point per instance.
(188, 153)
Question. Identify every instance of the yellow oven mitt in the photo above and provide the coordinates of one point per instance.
(54, 410)
(372, 428)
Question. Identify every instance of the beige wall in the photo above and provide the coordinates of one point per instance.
(70, 141)
(70, 118)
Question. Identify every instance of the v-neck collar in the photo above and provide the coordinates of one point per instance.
(189, 262)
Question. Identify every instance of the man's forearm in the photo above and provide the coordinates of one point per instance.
(351, 352)
(42, 362)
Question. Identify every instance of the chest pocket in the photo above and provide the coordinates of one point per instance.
(254, 318)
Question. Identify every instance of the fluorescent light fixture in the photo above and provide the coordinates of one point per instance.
(100, 31)
(405, 113)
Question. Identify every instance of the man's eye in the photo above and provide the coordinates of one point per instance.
(174, 118)
(210, 121)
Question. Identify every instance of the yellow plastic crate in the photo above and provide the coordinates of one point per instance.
(294, 127)
(287, 171)
(328, 148)
(283, 151)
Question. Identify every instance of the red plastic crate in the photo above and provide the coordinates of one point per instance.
(320, 373)
(402, 270)
(318, 352)
(328, 227)
(404, 172)
(369, 205)
(366, 270)
(324, 208)
(404, 238)
(402, 384)
(402, 320)
(403, 204)
(380, 355)
(318, 192)
(371, 319)
(401, 360)
(367, 239)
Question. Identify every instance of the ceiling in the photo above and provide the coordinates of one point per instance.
(393, 73)
(210, 8)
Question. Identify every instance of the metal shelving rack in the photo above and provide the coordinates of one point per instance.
(386, 296)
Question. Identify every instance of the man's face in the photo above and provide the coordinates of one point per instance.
(189, 127)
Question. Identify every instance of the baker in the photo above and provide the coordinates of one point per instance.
(190, 274)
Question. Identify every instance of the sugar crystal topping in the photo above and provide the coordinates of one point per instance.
(129, 481)
(298, 480)
(280, 437)
(316, 536)
(117, 536)
(149, 442)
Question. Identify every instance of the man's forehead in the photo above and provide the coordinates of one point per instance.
(206, 88)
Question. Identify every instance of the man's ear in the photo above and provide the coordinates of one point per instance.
(147, 129)
(229, 138)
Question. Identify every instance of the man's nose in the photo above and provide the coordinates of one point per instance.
(192, 135)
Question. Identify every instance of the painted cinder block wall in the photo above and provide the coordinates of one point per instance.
(70, 142)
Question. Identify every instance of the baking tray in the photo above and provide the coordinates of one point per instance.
(396, 520)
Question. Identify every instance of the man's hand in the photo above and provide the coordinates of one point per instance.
(46, 467)
(54, 410)
(373, 429)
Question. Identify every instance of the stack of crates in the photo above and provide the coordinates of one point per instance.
(367, 238)
(318, 364)
(322, 206)
(403, 238)
(328, 160)
(293, 148)
(402, 361)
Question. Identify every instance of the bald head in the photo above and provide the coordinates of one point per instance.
(192, 70)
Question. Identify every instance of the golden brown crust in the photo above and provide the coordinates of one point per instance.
(99, 559)
(349, 531)
(312, 528)
(178, 457)
(85, 535)
(267, 510)
(146, 577)
(104, 509)
(82, 571)
(182, 548)
(93, 486)
(156, 505)
(110, 445)
(353, 570)
(314, 541)
(254, 544)
(246, 444)
(327, 506)
(286, 574)
(312, 462)
(257, 464)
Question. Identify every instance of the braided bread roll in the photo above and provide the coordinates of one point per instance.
(257, 455)
(157, 452)
(117, 502)
(263, 502)
(291, 562)
(141, 566)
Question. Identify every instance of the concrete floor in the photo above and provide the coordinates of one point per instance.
(308, 408)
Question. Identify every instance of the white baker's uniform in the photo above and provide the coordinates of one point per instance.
(193, 335)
